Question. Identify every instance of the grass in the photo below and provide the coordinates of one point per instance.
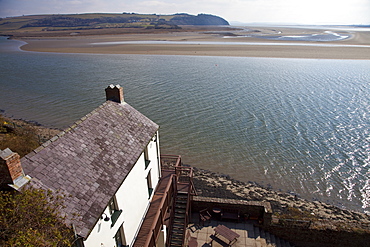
(14, 24)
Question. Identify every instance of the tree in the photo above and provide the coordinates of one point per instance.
(31, 218)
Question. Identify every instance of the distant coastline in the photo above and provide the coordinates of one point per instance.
(214, 41)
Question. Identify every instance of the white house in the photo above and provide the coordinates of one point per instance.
(107, 165)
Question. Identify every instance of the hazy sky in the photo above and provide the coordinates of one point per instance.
(276, 11)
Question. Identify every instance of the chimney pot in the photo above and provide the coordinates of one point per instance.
(114, 93)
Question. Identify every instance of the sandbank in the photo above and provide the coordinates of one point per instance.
(248, 42)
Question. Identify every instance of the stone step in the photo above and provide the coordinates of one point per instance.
(182, 197)
(179, 220)
(180, 214)
(180, 204)
(178, 225)
(176, 238)
(181, 200)
(177, 232)
(180, 211)
(177, 243)
(180, 217)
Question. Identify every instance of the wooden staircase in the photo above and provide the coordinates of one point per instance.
(180, 221)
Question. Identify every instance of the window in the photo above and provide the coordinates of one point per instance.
(120, 237)
(112, 205)
(149, 184)
(146, 157)
(114, 210)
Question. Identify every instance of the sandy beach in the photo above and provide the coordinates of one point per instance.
(241, 42)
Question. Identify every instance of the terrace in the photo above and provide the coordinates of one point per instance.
(174, 214)
(250, 235)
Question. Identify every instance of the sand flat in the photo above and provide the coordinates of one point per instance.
(242, 43)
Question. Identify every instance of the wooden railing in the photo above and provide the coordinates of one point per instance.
(170, 161)
(159, 218)
(185, 176)
(188, 210)
(182, 175)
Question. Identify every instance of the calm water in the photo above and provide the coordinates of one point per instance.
(299, 125)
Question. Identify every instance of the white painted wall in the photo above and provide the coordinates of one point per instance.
(154, 157)
(132, 198)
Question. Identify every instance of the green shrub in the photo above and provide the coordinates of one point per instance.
(31, 218)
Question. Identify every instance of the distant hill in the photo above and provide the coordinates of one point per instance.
(102, 21)
(201, 19)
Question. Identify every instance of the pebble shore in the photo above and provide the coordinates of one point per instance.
(284, 205)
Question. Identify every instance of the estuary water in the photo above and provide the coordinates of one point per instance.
(297, 125)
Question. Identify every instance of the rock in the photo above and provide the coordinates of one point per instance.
(210, 184)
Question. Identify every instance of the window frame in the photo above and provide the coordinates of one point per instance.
(120, 238)
(146, 157)
(149, 183)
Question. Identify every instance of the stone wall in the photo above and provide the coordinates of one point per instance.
(304, 237)
(247, 209)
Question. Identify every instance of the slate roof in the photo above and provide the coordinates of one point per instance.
(89, 161)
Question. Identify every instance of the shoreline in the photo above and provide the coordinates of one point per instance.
(323, 216)
(219, 185)
(232, 43)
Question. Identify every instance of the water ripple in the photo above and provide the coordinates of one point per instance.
(297, 124)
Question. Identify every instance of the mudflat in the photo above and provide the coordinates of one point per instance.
(227, 41)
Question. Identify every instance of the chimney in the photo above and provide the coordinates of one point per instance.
(11, 172)
(114, 93)
(10, 166)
